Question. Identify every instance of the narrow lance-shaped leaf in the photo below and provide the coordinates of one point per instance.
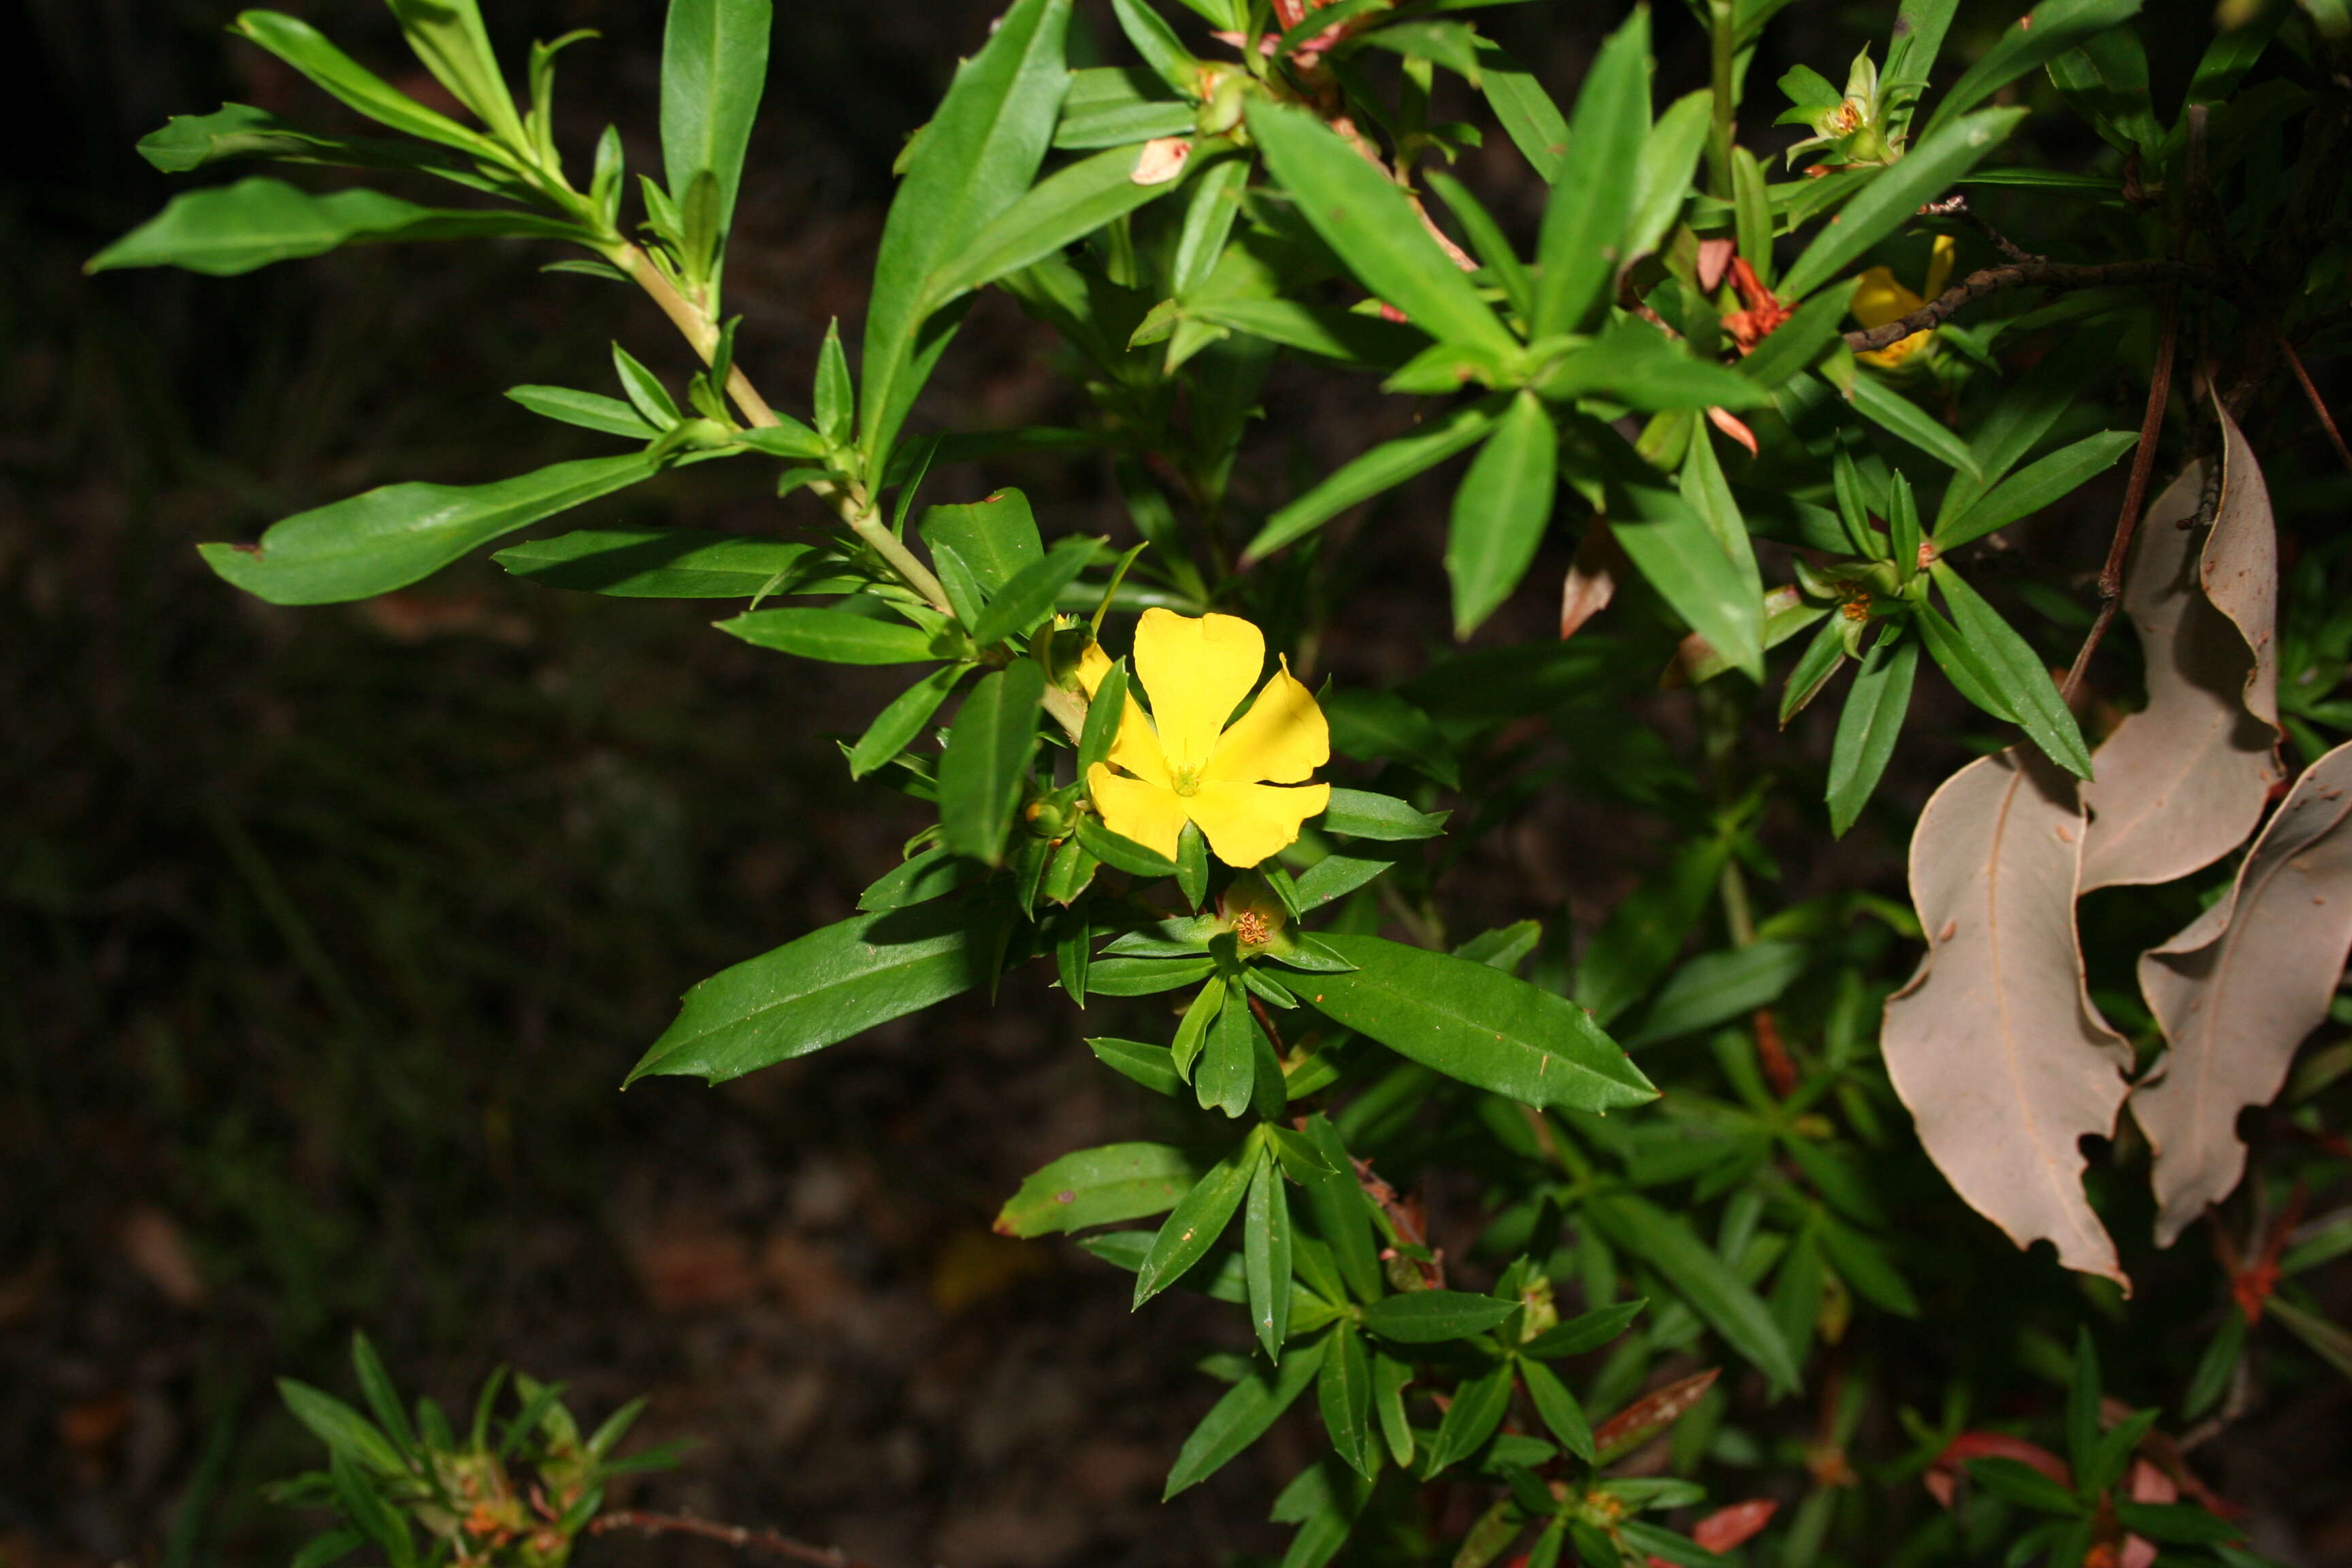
(976, 158)
(1868, 726)
(2180, 783)
(1699, 1275)
(2024, 683)
(1384, 468)
(664, 563)
(987, 756)
(1528, 116)
(306, 49)
(1098, 1186)
(2040, 484)
(2241, 988)
(1198, 1220)
(1994, 1045)
(2040, 36)
(834, 636)
(389, 538)
(714, 66)
(1242, 1416)
(825, 986)
(1361, 215)
(1500, 511)
(1893, 194)
(1061, 209)
(1683, 559)
(229, 230)
(1477, 1025)
(1582, 241)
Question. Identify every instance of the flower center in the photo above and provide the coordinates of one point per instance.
(1187, 780)
(1249, 926)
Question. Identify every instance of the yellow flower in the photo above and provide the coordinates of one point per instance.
(1185, 763)
(1878, 298)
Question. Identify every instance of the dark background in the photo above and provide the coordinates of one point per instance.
(327, 936)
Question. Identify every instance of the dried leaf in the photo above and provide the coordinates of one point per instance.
(1994, 1045)
(1650, 1415)
(2183, 782)
(1729, 1528)
(1591, 578)
(2239, 990)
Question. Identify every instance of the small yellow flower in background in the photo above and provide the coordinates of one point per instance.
(1184, 763)
(1878, 298)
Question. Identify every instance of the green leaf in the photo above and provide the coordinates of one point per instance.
(897, 725)
(342, 1429)
(997, 538)
(1588, 1331)
(1476, 1024)
(1662, 177)
(2022, 679)
(1156, 42)
(714, 66)
(987, 756)
(1363, 216)
(2039, 484)
(449, 38)
(1681, 558)
(1477, 1409)
(392, 536)
(1121, 853)
(1634, 364)
(1062, 209)
(1363, 815)
(977, 157)
(229, 230)
(1098, 1186)
(1337, 876)
(1890, 197)
(189, 142)
(1322, 330)
(1716, 987)
(1198, 1220)
(2050, 29)
(1266, 1255)
(1228, 1068)
(834, 636)
(1971, 674)
(644, 390)
(932, 874)
(1862, 1262)
(788, 438)
(1487, 239)
(306, 49)
(1813, 668)
(1905, 420)
(1528, 116)
(588, 410)
(1701, 1278)
(1584, 235)
(1154, 1066)
(1868, 726)
(1144, 976)
(1558, 1408)
(1209, 216)
(2021, 1483)
(1804, 337)
(382, 1399)
(1028, 598)
(823, 987)
(1384, 468)
(1637, 943)
(1433, 1317)
(1344, 1391)
(1242, 1416)
(1342, 1215)
(1500, 511)
(657, 562)
(1117, 106)
(1193, 865)
(2182, 1523)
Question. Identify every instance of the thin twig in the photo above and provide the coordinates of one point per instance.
(2319, 404)
(735, 1535)
(2111, 576)
(2023, 275)
(1957, 205)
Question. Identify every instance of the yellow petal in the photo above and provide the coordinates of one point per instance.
(1197, 672)
(1892, 357)
(1939, 264)
(1093, 665)
(1148, 813)
(1136, 749)
(1245, 822)
(1878, 298)
(1283, 738)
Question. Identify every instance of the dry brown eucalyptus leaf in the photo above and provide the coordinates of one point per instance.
(1994, 1045)
(2183, 782)
(2240, 989)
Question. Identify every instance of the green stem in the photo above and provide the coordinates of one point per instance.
(702, 332)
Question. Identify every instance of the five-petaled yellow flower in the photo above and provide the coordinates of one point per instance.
(1878, 298)
(1185, 763)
